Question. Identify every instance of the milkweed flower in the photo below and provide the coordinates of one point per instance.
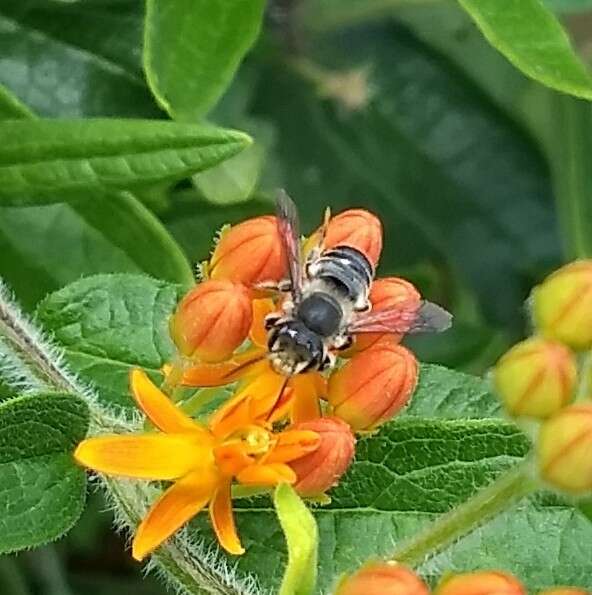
(321, 469)
(564, 449)
(562, 305)
(383, 578)
(249, 253)
(202, 461)
(373, 385)
(357, 228)
(212, 320)
(485, 582)
(536, 378)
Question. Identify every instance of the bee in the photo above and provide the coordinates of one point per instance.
(328, 303)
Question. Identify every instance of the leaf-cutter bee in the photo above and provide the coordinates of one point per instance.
(328, 304)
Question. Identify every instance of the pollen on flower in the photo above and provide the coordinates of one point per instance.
(250, 253)
(212, 320)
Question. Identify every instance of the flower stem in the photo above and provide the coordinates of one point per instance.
(505, 491)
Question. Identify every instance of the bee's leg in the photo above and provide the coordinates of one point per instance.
(271, 320)
(318, 243)
(282, 286)
(328, 362)
(342, 342)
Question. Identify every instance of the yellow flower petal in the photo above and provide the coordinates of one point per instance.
(182, 501)
(266, 475)
(223, 520)
(292, 444)
(222, 373)
(144, 456)
(308, 389)
(232, 457)
(159, 408)
(253, 404)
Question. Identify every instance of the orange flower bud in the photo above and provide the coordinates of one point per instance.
(212, 320)
(249, 253)
(321, 469)
(562, 305)
(357, 228)
(564, 449)
(536, 377)
(373, 386)
(383, 578)
(386, 293)
(564, 591)
(487, 582)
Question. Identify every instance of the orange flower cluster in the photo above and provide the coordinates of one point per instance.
(539, 378)
(390, 578)
(274, 428)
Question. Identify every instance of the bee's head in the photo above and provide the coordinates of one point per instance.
(294, 348)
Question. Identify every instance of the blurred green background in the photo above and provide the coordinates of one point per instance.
(399, 106)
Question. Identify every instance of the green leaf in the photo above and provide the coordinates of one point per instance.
(568, 6)
(532, 39)
(11, 107)
(42, 159)
(75, 59)
(43, 490)
(117, 232)
(107, 325)
(300, 529)
(192, 49)
(402, 479)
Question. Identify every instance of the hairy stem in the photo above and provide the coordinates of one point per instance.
(190, 565)
(509, 488)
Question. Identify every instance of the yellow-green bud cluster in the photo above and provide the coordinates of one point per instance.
(539, 378)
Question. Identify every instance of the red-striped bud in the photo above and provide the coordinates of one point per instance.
(357, 228)
(536, 378)
(250, 252)
(321, 470)
(564, 449)
(562, 305)
(212, 320)
(373, 386)
(383, 578)
(487, 582)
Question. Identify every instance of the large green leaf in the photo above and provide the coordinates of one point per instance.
(43, 159)
(109, 324)
(43, 490)
(530, 37)
(75, 59)
(118, 234)
(192, 49)
(405, 476)
(57, 244)
(438, 161)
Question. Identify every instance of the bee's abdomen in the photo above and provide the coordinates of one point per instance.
(347, 269)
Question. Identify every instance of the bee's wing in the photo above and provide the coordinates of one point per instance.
(403, 319)
(288, 227)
